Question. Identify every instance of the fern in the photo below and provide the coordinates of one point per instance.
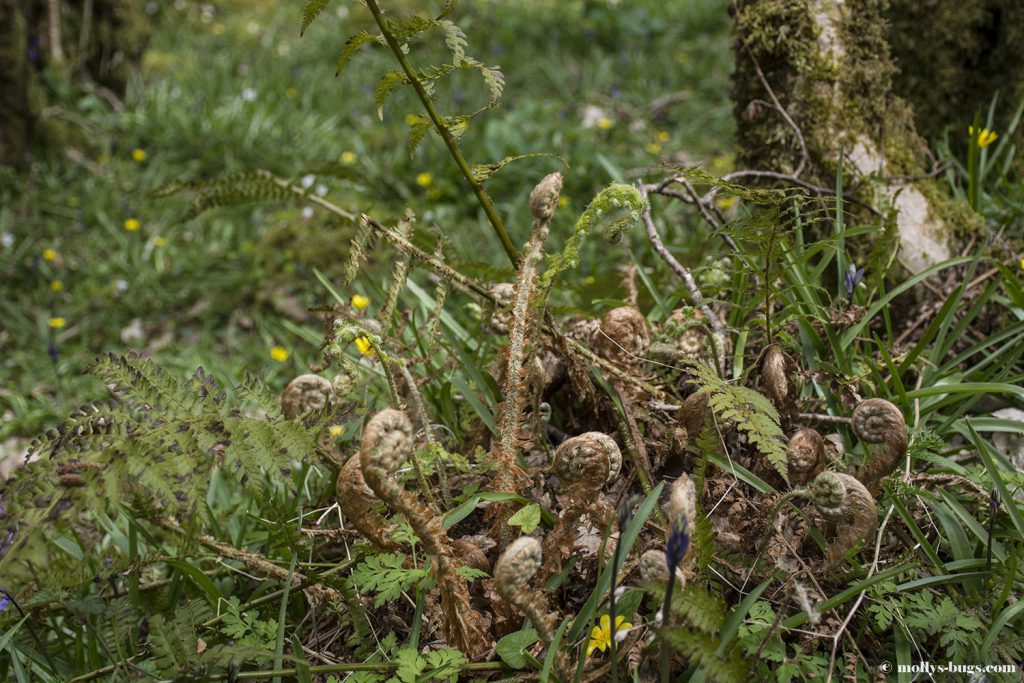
(312, 10)
(613, 209)
(751, 411)
(386, 575)
(161, 441)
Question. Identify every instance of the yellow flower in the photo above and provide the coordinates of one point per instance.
(49, 255)
(725, 202)
(411, 119)
(424, 179)
(57, 286)
(360, 302)
(335, 431)
(563, 201)
(364, 346)
(56, 323)
(601, 636)
(1022, 264)
(662, 136)
(348, 158)
(279, 353)
(139, 154)
(291, 93)
(653, 148)
(160, 241)
(985, 137)
(604, 123)
(132, 224)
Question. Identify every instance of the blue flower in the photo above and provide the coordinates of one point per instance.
(4, 602)
(854, 276)
(678, 543)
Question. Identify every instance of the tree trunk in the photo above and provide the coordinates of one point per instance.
(813, 81)
(16, 94)
(969, 50)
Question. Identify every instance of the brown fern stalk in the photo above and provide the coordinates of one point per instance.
(511, 477)
(387, 443)
(356, 501)
(877, 421)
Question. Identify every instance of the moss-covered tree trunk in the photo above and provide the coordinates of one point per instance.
(953, 55)
(813, 81)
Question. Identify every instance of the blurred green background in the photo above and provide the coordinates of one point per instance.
(91, 263)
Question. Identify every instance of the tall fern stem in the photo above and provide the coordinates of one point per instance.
(442, 129)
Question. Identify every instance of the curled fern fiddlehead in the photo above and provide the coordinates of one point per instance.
(805, 456)
(583, 464)
(306, 394)
(843, 499)
(388, 442)
(877, 421)
(624, 335)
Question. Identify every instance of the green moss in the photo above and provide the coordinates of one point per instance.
(969, 50)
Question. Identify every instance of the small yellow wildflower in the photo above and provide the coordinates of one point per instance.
(56, 323)
(139, 154)
(335, 431)
(364, 345)
(424, 179)
(724, 202)
(360, 302)
(1022, 264)
(601, 636)
(49, 255)
(57, 286)
(291, 93)
(985, 137)
(279, 353)
(348, 158)
(411, 119)
(563, 201)
(653, 148)
(132, 224)
(662, 136)
(160, 241)
(604, 123)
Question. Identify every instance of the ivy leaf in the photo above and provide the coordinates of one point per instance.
(527, 518)
(510, 648)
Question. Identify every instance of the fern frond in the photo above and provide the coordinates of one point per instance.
(352, 46)
(387, 83)
(752, 413)
(455, 39)
(702, 648)
(312, 10)
(615, 208)
(484, 172)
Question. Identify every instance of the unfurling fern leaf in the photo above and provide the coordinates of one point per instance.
(751, 411)
(614, 208)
